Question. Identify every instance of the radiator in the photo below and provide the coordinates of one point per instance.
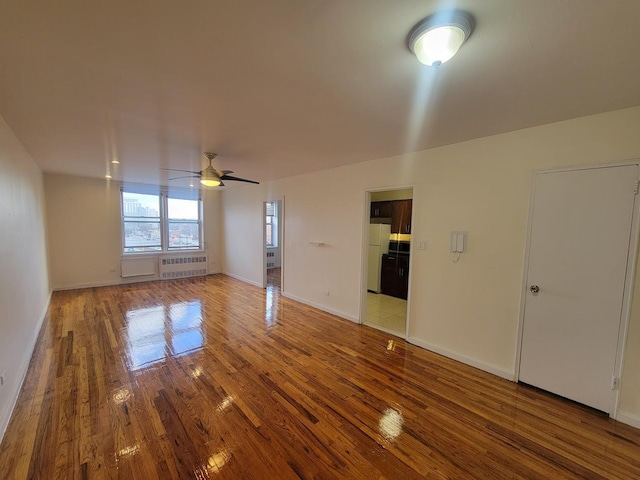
(182, 265)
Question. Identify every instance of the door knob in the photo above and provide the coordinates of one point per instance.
(534, 288)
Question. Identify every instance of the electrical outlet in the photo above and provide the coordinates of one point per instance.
(422, 245)
(326, 293)
(112, 270)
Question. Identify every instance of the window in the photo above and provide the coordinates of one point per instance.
(160, 222)
(183, 220)
(271, 224)
(141, 222)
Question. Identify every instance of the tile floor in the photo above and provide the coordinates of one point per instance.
(386, 313)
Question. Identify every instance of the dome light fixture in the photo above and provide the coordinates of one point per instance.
(438, 37)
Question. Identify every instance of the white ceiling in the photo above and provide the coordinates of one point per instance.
(282, 87)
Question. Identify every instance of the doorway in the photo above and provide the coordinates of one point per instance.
(273, 250)
(387, 261)
(582, 235)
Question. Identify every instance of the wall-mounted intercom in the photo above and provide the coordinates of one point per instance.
(458, 242)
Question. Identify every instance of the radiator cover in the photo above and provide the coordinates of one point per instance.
(182, 265)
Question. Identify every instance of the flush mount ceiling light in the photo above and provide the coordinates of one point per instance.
(438, 37)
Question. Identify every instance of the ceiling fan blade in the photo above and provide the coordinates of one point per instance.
(226, 172)
(237, 179)
(178, 170)
(187, 176)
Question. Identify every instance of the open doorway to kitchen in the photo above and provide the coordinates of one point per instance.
(386, 271)
(273, 243)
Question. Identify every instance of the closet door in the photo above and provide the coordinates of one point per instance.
(578, 256)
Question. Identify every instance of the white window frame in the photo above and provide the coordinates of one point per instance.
(164, 196)
(274, 225)
(168, 221)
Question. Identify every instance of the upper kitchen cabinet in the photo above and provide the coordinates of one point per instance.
(381, 209)
(401, 216)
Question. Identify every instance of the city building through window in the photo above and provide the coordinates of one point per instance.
(160, 222)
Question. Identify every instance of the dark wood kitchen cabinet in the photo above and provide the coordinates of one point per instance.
(401, 216)
(381, 209)
(395, 275)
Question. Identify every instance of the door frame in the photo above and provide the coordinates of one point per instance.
(364, 257)
(281, 234)
(628, 283)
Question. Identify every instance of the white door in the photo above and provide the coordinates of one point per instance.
(579, 246)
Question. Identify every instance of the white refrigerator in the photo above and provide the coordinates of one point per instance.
(378, 246)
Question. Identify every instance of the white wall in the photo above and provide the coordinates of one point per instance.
(85, 244)
(469, 310)
(242, 222)
(401, 194)
(24, 292)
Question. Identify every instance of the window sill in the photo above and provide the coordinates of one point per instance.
(140, 254)
(169, 252)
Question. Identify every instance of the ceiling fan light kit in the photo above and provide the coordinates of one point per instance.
(209, 176)
(210, 182)
(438, 37)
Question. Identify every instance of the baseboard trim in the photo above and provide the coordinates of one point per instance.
(464, 359)
(242, 279)
(148, 278)
(628, 419)
(337, 313)
(79, 286)
(24, 368)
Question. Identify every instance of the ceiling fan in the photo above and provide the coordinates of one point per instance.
(210, 177)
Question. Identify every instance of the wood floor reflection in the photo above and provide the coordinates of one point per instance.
(213, 378)
(273, 277)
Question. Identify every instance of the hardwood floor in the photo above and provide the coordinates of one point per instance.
(213, 378)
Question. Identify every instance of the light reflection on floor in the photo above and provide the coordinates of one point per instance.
(271, 306)
(271, 298)
(390, 425)
(153, 333)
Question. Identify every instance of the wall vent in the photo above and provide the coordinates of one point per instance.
(182, 266)
(137, 266)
